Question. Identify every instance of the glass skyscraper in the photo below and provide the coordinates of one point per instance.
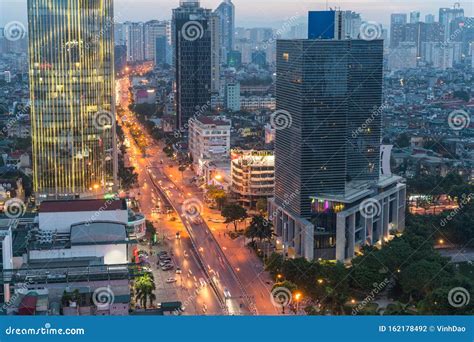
(192, 40)
(330, 88)
(327, 150)
(71, 53)
(226, 13)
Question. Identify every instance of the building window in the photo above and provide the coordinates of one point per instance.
(286, 56)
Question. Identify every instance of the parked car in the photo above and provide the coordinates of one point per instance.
(167, 267)
(171, 280)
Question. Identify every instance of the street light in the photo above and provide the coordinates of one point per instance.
(298, 296)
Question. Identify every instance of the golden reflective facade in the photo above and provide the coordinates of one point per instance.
(72, 97)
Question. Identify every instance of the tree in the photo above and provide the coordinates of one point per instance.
(398, 309)
(283, 293)
(420, 277)
(144, 287)
(217, 195)
(232, 213)
(259, 228)
(261, 205)
(181, 169)
(403, 140)
(274, 263)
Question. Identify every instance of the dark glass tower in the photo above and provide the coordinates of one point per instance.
(329, 88)
(192, 59)
(71, 51)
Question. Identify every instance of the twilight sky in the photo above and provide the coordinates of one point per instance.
(253, 13)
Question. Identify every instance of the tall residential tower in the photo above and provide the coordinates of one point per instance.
(226, 13)
(71, 51)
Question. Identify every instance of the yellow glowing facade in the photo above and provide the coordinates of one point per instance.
(72, 97)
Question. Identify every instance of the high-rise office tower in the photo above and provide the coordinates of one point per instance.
(333, 24)
(119, 34)
(161, 50)
(327, 147)
(414, 17)
(397, 25)
(226, 13)
(429, 18)
(446, 15)
(134, 40)
(216, 52)
(72, 97)
(152, 30)
(192, 40)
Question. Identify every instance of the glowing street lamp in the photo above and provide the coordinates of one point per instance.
(298, 296)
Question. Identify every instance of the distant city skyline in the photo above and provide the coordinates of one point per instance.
(260, 13)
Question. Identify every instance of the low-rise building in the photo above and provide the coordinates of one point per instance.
(209, 140)
(71, 257)
(253, 176)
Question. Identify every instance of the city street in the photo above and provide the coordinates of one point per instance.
(184, 289)
(232, 270)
